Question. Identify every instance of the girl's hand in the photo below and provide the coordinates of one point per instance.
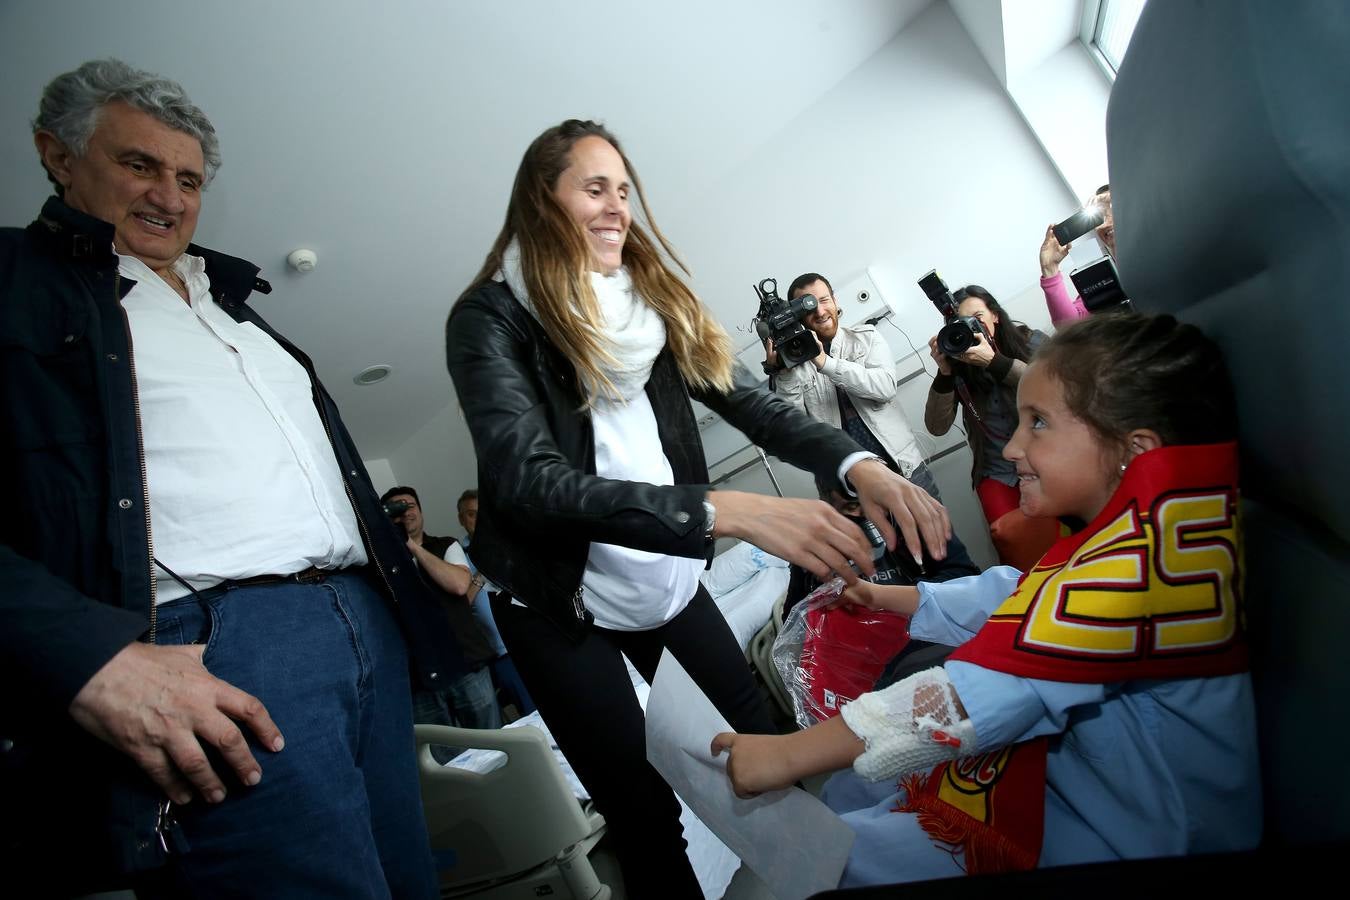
(861, 594)
(759, 762)
(1052, 252)
(896, 598)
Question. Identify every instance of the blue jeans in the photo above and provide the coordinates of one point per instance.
(338, 812)
(470, 701)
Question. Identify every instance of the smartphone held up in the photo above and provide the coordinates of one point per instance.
(1080, 223)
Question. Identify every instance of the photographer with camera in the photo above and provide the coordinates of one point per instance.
(1063, 307)
(469, 701)
(849, 381)
(981, 355)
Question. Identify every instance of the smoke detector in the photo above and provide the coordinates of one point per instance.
(303, 260)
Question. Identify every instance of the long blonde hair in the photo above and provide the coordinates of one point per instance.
(555, 261)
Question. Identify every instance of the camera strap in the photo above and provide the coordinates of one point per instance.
(967, 401)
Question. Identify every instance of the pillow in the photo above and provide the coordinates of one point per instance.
(736, 566)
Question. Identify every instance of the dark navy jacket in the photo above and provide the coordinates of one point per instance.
(75, 567)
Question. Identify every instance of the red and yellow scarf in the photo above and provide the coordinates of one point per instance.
(1148, 590)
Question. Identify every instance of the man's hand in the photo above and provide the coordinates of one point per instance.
(1052, 253)
(159, 706)
(810, 533)
(819, 359)
(770, 354)
(453, 579)
(755, 762)
(885, 495)
(943, 363)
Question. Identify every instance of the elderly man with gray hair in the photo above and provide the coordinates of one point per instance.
(200, 599)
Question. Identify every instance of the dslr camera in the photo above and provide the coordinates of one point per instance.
(780, 321)
(961, 332)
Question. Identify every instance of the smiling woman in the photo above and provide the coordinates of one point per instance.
(574, 354)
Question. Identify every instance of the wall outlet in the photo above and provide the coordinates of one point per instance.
(705, 420)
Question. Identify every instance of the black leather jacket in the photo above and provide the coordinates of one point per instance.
(540, 503)
(75, 571)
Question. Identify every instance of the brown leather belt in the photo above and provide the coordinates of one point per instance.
(312, 575)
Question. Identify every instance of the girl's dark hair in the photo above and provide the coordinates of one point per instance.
(1010, 336)
(1122, 371)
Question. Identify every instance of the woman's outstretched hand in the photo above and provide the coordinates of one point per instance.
(809, 533)
(884, 496)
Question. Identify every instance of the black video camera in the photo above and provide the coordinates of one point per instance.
(961, 332)
(780, 321)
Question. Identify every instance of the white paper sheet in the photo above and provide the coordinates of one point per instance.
(790, 839)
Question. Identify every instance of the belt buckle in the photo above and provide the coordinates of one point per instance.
(312, 575)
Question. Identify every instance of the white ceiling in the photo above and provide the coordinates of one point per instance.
(385, 136)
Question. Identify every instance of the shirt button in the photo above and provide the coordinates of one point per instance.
(682, 517)
(124, 503)
(394, 569)
(352, 473)
(70, 338)
(112, 357)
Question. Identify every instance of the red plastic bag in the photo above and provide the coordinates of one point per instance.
(828, 657)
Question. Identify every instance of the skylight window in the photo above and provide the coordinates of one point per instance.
(1116, 20)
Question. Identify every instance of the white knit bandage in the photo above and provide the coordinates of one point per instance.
(910, 726)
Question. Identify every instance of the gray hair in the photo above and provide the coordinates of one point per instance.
(71, 104)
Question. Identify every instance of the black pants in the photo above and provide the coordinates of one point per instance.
(584, 694)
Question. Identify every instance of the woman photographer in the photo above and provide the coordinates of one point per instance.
(574, 353)
(984, 380)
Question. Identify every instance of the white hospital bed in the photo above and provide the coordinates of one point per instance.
(509, 818)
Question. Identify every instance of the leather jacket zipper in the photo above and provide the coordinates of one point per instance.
(140, 449)
(351, 498)
(577, 607)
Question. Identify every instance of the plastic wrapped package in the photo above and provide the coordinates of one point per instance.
(827, 657)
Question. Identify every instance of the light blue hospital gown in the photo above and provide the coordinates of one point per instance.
(1135, 769)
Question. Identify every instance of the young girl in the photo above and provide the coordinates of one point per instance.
(1103, 709)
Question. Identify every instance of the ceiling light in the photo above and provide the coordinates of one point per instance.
(373, 374)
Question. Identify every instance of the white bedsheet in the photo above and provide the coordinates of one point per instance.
(746, 607)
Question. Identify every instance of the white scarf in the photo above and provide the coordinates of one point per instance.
(632, 331)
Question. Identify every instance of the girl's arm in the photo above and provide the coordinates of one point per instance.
(950, 612)
(911, 725)
(768, 762)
